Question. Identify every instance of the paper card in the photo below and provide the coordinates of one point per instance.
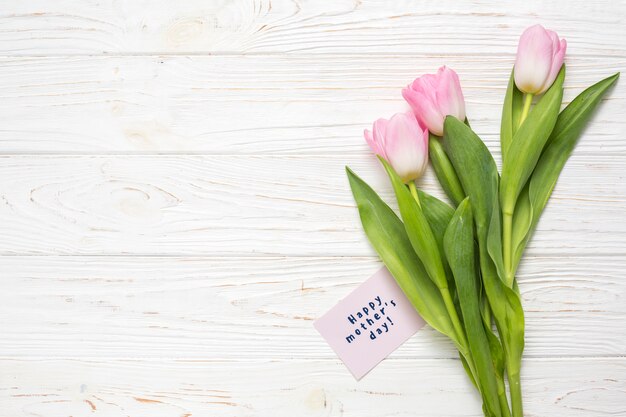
(370, 323)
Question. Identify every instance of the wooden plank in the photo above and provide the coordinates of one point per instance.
(261, 26)
(253, 205)
(253, 308)
(242, 245)
(554, 387)
(288, 105)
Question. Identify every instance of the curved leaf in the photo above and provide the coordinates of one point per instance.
(418, 229)
(459, 249)
(476, 169)
(479, 176)
(559, 147)
(444, 170)
(511, 111)
(528, 142)
(438, 215)
(387, 235)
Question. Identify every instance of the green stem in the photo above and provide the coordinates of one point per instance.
(513, 359)
(504, 403)
(516, 393)
(528, 100)
(502, 398)
(444, 170)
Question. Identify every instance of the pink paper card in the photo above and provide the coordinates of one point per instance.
(370, 323)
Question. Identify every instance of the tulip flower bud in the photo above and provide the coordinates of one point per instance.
(540, 56)
(402, 142)
(435, 96)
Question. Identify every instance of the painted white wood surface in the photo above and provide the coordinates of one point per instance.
(313, 387)
(226, 308)
(40, 27)
(174, 211)
(215, 105)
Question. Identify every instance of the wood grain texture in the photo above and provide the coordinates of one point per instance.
(253, 205)
(255, 104)
(174, 210)
(553, 387)
(263, 308)
(307, 27)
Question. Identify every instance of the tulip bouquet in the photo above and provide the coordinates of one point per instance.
(457, 262)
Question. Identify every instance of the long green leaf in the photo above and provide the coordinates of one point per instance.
(418, 229)
(388, 237)
(522, 224)
(438, 215)
(479, 176)
(559, 147)
(476, 168)
(508, 314)
(511, 111)
(459, 249)
(528, 142)
(468, 371)
(497, 354)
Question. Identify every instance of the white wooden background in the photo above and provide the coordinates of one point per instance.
(174, 211)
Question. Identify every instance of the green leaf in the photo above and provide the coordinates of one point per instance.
(508, 315)
(559, 147)
(476, 168)
(459, 249)
(468, 371)
(438, 215)
(522, 225)
(511, 112)
(444, 170)
(528, 142)
(388, 237)
(479, 176)
(497, 354)
(494, 238)
(418, 229)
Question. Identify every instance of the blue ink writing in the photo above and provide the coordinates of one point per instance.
(373, 316)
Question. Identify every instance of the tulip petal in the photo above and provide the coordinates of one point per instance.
(374, 146)
(425, 109)
(378, 132)
(534, 59)
(450, 98)
(434, 96)
(404, 146)
(557, 63)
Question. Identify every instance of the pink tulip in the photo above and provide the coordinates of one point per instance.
(402, 142)
(435, 96)
(540, 56)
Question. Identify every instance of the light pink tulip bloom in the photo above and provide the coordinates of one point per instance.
(435, 96)
(540, 56)
(402, 142)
